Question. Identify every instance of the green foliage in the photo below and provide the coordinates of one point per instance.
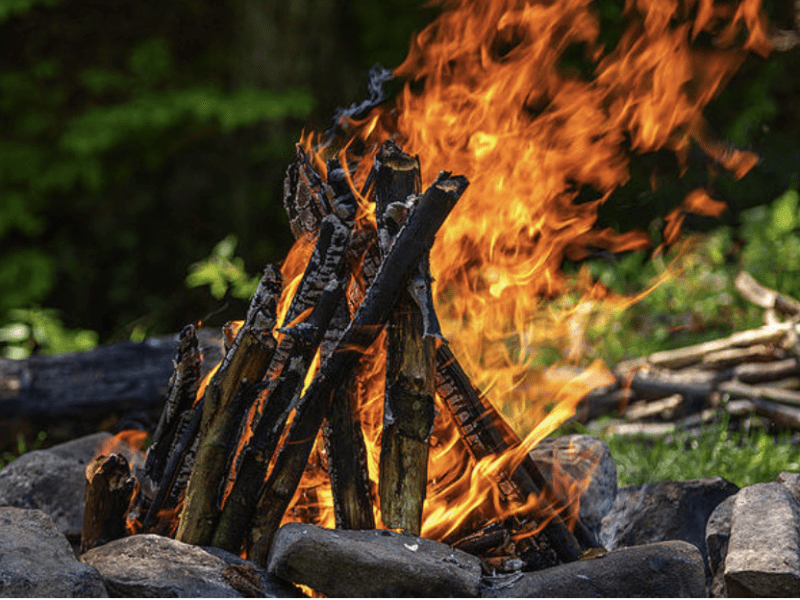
(22, 448)
(41, 330)
(12, 8)
(223, 272)
(742, 457)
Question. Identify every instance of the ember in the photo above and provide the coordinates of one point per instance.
(347, 330)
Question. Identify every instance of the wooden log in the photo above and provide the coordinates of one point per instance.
(408, 419)
(734, 356)
(742, 390)
(89, 386)
(109, 487)
(413, 240)
(410, 381)
(321, 290)
(183, 394)
(303, 196)
(604, 402)
(171, 485)
(225, 403)
(485, 433)
(240, 505)
(344, 443)
(683, 357)
(664, 408)
(760, 372)
(764, 297)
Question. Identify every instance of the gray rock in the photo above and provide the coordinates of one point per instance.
(791, 481)
(665, 569)
(36, 560)
(718, 533)
(665, 510)
(764, 549)
(53, 481)
(153, 566)
(582, 457)
(372, 563)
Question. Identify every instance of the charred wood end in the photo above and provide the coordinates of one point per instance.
(109, 487)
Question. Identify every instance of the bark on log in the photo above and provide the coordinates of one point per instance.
(751, 392)
(116, 378)
(226, 400)
(303, 196)
(183, 394)
(682, 357)
(410, 360)
(240, 504)
(109, 487)
(413, 240)
(764, 297)
(344, 443)
(408, 419)
(486, 432)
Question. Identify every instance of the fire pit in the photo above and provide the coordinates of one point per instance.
(379, 383)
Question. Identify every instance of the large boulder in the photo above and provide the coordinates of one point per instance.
(36, 560)
(377, 563)
(153, 566)
(666, 570)
(763, 557)
(52, 480)
(665, 510)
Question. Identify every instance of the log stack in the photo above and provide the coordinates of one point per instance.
(752, 372)
(229, 453)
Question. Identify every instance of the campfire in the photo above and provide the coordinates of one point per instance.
(381, 377)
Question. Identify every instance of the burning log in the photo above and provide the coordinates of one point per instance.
(168, 451)
(344, 443)
(410, 361)
(109, 488)
(257, 454)
(225, 402)
(412, 241)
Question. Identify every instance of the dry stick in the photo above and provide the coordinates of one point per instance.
(255, 458)
(410, 361)
(243, 366)
(485, 432)
(688, 355)
(765, 297)
(109, 487)
(751, 392)
(413, 240)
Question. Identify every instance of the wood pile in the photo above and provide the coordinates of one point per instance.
(753, 372)
(230, 458)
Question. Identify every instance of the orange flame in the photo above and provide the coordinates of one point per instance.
(487, 95)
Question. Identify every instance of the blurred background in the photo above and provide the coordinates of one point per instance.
(144, 144)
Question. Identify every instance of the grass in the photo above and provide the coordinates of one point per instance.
(22, 448)
(742, 457)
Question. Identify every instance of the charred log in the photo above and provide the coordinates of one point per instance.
(413, 240)
(225, 403)
(109, 487)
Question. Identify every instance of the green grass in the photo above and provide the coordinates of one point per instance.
(22, 447)
(743, 458)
